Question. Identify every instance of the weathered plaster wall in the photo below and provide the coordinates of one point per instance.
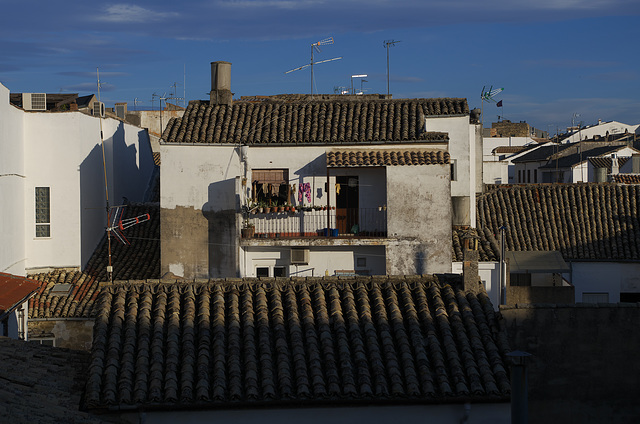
(583, 368)
(71, 333)
(419, 217)
(12, 187)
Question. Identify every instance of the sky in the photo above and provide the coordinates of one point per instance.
(559, 61)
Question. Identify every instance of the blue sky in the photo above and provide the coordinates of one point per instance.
(554, 58)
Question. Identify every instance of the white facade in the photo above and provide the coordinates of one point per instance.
(496, 168)
(465, 148)
(601, 129)
(203, 188)
(62, 152)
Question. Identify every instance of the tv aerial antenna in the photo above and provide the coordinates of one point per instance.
(387, 44)
(316, 47)
(115, 222)
(487, 95)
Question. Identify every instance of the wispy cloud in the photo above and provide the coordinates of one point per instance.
(569, 63)
(129, 13)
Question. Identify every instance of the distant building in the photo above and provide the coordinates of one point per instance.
(507, 128)
(604, 130)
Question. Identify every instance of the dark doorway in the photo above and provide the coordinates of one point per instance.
(630, 297)
(347, 195)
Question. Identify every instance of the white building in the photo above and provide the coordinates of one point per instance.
(602, 130)
(397, 171)
(52, 183)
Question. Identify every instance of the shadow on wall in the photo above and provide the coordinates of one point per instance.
(220, 213)
(129, 171)
(421, 257)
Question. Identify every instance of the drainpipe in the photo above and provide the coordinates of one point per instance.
(519, 387)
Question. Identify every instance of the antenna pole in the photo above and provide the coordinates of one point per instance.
(106, 186)
(387, 44)
(312, 47)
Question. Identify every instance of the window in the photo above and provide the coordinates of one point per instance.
(270, 186)
(44, 341)
(279, 271)
(262, 271)
(535, 175)
(43, 212)
(519, 175)
(519, 279)
(361, 262)
(454, 170)
(528, 175)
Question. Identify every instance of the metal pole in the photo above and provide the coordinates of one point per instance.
(388, 92)
(503, 282)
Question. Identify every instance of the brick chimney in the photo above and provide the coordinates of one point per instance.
(220, 83)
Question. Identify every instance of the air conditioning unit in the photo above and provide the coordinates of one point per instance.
(98, 109)
(34, 101)
(299, 256)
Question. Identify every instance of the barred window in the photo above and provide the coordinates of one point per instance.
(43, 212)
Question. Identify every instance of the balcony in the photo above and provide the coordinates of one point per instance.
(364, 223)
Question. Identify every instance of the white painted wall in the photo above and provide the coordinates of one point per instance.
(490, 143)
(323, 260)
(462, 148)
(609, 277)
(478, 413)
(63, 151)
(613, 127)
(12, 187)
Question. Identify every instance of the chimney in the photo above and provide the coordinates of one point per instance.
(615, 168)
(470, 256)
(220, 83)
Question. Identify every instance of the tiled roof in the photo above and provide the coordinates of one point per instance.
(606, 162)
(509, 149)
(317, 121)
(378, 157)
(42, 384)
(626, 178)
(14, 289)
(139, 260)
(488, 246)
(298, 341)
(565, 161)
(583, 221)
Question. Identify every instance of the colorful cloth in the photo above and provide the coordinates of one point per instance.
(305, 190)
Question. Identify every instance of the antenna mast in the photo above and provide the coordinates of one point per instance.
(106, 186)
(387, 44)
(316, 46)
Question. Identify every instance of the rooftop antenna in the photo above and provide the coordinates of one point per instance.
(487, 96)
(316, 46)
(387, 44)
(106, 185)
(136, 102)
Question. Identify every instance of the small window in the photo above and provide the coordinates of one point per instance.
(279, 271)
(528, 175)
(262, 271)
(519, 279)
(454, 170)
(44, 341)
(519, 175)
(271, 187)
(43, 212)
(361, 262)
(535, 175)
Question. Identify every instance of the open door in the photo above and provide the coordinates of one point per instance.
(347, 196)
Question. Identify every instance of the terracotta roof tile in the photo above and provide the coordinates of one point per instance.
(583, 221)
(139, 260)
(317, 121)
(284, 341)
(379, 157)
(606, 162)
(626, 178)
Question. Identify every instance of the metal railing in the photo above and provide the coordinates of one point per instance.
(364, 222)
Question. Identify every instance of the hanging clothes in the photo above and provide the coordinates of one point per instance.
(337, 188)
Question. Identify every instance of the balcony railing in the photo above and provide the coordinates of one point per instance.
(364, 222)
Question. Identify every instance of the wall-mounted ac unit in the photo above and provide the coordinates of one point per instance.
(299, 256)
(98, 109)
(34, 101)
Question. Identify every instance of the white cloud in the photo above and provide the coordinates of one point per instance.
(128, 13)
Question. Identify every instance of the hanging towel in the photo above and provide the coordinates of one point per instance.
(337, 188)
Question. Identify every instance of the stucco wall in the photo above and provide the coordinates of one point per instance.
(323, 260)
(63, 151)
(583, 368)
(12, 187)
(605, 277)
(71, 333)
(419, 215)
